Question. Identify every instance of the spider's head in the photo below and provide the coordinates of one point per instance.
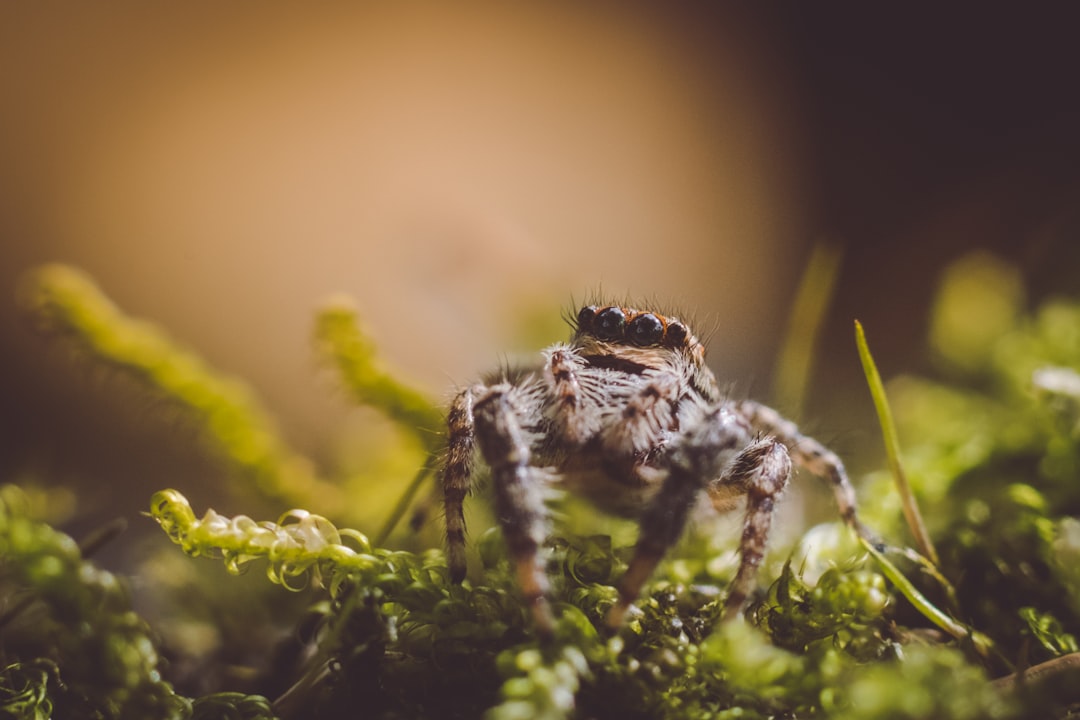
(624, 331)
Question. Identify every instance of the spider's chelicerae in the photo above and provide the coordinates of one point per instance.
(627, 415)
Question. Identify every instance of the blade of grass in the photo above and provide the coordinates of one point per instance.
(892, 447)
(931, 569)
(807, 315)
(916, 598)
(983, 645)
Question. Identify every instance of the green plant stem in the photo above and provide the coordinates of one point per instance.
(892, 447)
(404, 502)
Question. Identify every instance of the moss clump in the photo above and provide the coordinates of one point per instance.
(67, 304)
(994, 458)
(72, 646)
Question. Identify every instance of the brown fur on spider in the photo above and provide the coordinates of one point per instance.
(628, 416)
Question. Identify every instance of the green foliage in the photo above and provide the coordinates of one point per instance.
(892, 446)
(396, 617)
(340, 340)
(25, 692)
(994, 457)
(66, 302)
(844, 630)
(928, 682)
(72, 646)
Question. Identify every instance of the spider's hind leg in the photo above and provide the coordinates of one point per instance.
(810, 454)
(519, 498)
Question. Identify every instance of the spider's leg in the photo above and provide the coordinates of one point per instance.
(761, 471)
(456, 477)
(519, 500)
(691, 465)
(810, 454)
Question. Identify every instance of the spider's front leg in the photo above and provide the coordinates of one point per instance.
(760, 471)
(519, 500)
(457, 477)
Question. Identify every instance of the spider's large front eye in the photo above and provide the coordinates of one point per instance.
(645, 329)
(609, 324)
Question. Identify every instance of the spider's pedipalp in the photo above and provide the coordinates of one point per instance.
(567, 411)
(647, 417)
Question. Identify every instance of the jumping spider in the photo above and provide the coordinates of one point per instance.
(627, 415)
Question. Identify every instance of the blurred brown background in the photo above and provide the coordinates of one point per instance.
(222, 168)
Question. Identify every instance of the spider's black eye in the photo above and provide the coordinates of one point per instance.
(676, 333)
(585, 317)
(645, 329)
(609, 324)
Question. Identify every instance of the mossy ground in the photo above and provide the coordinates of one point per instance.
(992, 451)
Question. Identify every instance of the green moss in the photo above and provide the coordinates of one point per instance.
(927, 682)
(68, 304)
(340, 340)
(994, 459)
(70, 639)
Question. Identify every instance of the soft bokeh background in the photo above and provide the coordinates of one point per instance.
(464, 171)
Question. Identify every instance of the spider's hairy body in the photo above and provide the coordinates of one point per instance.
(627, 415)
(619, 418)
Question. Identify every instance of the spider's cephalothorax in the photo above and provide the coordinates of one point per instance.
(627, 415)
